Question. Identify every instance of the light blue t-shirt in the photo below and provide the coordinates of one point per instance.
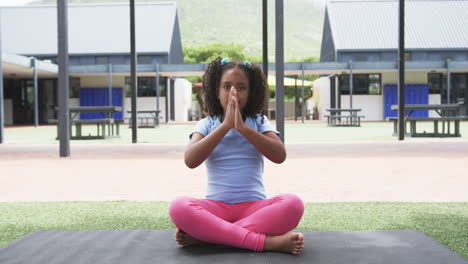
(235, 167)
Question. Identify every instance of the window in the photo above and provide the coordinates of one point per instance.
(362, 84)
(360, 57)
(102, 60)
(407, 56)
(74, 85)
(448, 55)
(437, 82)
(145, 59)
(146, 86)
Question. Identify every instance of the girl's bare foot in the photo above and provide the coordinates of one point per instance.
(185, 240)
(292, 242)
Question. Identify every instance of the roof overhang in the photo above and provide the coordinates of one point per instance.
(293, 68)
(16, 66)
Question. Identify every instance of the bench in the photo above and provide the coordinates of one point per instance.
(145, 118)
(144, 122)
(100, 124)
(349, 120)
(444, 133)
(113, 127)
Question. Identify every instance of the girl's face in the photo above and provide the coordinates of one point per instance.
(237, 78)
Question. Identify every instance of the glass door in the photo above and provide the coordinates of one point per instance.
(460, 87)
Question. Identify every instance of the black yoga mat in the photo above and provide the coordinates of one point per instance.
(158, 246)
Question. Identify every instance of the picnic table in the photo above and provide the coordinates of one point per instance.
(344, 117)
(146, 118)
(446, 114)
(105, 120)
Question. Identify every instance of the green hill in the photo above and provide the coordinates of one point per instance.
(240, 21)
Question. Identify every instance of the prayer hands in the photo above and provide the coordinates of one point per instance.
(233, 117)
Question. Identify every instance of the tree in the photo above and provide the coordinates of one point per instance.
(208, 52)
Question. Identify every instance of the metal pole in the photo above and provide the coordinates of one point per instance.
(63, 82)
(302, 94)
(109, 84)
(279, 69)
(36, 94)
(296, 99)
(166, 100)
(2, 115)
(332, 91)
(351, 84)
(401, 70)
(265, 36)
(133, 79)
(157, 87)
(265, 47)
(449, 83)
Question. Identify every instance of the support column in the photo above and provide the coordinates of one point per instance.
(109, 84)
(157, 87)
(296, 99)
(401, 70)
(449, 82)
(63, 79)
(351, 84)
(265, 48)
(36, 93)
(133, 78)
(279, 69)
(332, 91)
(302, 94)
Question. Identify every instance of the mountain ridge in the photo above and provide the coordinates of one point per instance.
(240, 21)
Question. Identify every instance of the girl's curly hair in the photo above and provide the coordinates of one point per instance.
(258, 93)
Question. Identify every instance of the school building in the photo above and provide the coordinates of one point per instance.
(359, 33)
(359, 54)
(99, 59)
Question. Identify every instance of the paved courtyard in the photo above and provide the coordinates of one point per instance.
(418, 171)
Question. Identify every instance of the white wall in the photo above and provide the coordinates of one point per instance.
(321, 96)
(145, 103)
(434, 99)
(372, 106)
(182, 99)
(288, 109)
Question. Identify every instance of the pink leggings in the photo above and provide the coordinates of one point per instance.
(242, 225)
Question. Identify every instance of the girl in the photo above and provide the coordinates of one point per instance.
(233, 140)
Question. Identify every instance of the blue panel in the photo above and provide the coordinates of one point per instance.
(414, 94)
(99, 97)
(389, 94)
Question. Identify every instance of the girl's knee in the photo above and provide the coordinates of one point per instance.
(180, 208)
(292, 212)
(294, 204)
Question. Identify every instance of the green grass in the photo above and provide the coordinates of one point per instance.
(295, 132)
(445, 222)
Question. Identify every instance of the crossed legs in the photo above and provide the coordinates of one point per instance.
(261, 225)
